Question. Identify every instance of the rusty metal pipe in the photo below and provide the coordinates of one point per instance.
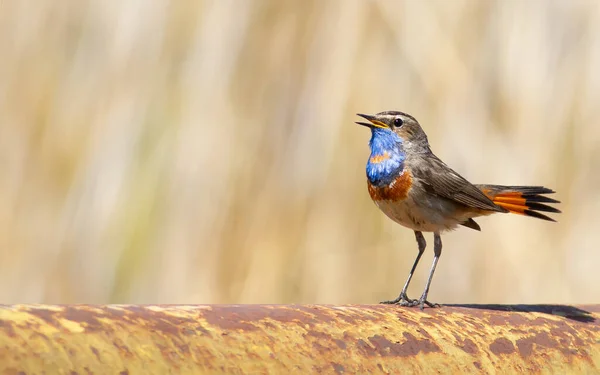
(286, 339)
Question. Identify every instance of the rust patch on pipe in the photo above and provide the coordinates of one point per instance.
(502, 346)
(410, 347)
(298, 338)
(7, 327)
(468, 346)
(542, 339)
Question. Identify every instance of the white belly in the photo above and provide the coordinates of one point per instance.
(423, 216)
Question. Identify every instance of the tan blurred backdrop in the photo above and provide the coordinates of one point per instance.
(205, 151)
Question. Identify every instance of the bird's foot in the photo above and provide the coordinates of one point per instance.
(402, 300)
(422, 302)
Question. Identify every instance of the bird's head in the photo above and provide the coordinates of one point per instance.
(395, 126)
(393, 134)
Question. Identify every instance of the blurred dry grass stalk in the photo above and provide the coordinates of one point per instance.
(205, 152)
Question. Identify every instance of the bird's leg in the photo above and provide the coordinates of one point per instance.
(403, 298)
(437, 251)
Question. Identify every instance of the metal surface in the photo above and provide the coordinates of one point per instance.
(286, 339)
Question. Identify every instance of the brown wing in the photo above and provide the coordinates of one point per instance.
(441, 180)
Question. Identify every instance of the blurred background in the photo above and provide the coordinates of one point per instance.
(205, 151)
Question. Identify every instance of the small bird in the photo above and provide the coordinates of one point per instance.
(417, 190)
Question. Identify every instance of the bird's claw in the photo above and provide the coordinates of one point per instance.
(402, 300)
(422, 302)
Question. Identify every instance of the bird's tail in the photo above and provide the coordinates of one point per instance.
(522, 200)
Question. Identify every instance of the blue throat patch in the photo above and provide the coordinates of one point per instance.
(387, 157)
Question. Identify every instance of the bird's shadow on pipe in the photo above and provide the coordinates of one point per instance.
(569, 312)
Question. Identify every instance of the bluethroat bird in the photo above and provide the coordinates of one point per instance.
(414, 188)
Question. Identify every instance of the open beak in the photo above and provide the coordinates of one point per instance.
(373, 122)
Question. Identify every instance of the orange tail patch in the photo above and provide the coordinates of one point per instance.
(522, 200)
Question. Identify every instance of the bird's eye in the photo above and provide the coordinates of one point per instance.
(398, 122)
